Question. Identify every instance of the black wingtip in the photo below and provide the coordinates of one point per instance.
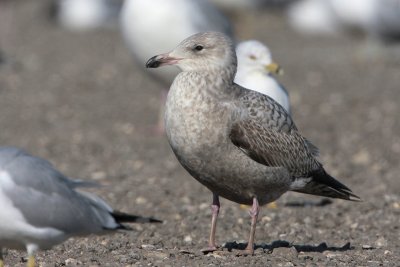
(153, 63)
(121, 217)
(152, 220)
(322, 184)
(354, 197)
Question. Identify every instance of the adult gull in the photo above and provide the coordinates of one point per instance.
(255, 69)
(40, 207)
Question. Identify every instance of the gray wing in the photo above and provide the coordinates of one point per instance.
(263, 130)
(47, 198)
(43, 176)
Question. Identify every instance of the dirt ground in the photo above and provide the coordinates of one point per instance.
(78, 100)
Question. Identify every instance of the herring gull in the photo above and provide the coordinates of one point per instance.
(40, 207)
(239, 143)
(255, 69)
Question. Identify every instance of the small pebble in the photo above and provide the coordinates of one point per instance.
(147, 247)
(188, 239)
(141, 200)
(284, 252)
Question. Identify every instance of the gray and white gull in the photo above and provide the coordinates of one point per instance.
(254, 71)
(40, 207)
(239, 143)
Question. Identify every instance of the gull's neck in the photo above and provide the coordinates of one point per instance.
(217, 85)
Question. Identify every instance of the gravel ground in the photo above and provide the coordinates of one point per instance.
(78, 100)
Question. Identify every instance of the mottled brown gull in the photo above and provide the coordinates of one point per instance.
(239, 143)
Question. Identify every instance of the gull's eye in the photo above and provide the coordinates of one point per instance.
(198, 47)
(252, 57)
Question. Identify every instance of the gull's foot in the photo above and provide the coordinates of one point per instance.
(31, 261)
(209, 249)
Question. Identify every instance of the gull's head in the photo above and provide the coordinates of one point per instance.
(200, 52)
(253, 55)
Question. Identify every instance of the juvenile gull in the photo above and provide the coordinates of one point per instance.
(239, 143)
(254, 71)
(41, 208)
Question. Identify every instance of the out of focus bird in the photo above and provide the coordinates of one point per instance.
(238, 6)
(40, 207)
(378, 19)
(239, 143)
(158, 25)
(313, 17)
(255, 69)
(83, 15)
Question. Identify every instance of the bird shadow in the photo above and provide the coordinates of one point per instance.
(321, 203)
(285, 244)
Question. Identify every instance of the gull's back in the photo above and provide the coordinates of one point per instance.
(40, 204)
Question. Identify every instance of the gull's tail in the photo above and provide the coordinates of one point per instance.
(322, 184)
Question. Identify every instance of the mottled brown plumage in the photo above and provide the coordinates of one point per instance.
(239, 143)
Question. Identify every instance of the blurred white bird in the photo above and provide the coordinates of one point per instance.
(313, 17)
(158, 25)
(83, 15)
(236, 5)
(378, 19)
(255, 66)
(248, 5)
(40, 207)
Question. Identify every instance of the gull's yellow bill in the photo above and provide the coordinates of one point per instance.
(274, 68)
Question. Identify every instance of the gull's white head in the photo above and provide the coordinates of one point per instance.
(254, 56)
(204, 51)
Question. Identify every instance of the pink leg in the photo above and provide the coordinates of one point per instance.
(254, 211)
(215, 210)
